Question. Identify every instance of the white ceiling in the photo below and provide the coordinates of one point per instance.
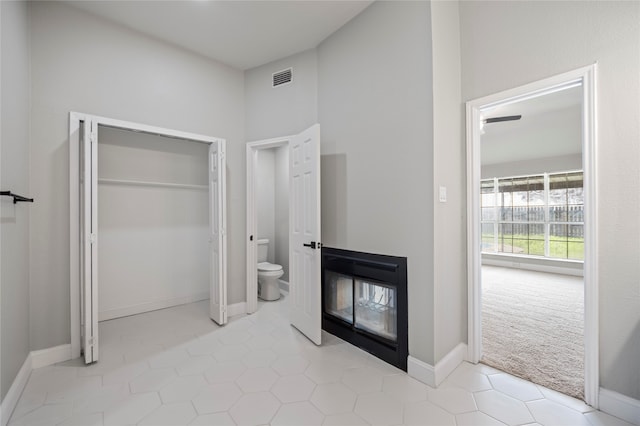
(243, 34)
(551, 126)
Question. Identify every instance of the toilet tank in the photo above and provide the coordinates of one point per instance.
(263, 249)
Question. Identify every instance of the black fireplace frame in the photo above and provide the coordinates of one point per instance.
(390, 270)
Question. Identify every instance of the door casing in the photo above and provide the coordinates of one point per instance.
(75, 243)
(305, 304)
(253, 148)
(587, 77)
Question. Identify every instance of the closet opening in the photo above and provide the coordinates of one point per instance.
(152, 210)
(147, 224)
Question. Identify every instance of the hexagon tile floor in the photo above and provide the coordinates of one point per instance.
(175, 367)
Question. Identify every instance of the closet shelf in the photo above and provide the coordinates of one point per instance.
(153, 184)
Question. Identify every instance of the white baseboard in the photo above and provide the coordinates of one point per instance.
(620, 406)
(421, 371)
(450, 362)
(431, 375)
(284, 286)
(516, 263)
(149, 306)
(35, 359)
(50, 356)
(236, 309)
(13, 395)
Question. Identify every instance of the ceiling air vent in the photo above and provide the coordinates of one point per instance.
(282, 77)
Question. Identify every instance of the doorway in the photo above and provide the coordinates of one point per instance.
(531, 247)
(304, 254)
(272, 233)
(210, 240)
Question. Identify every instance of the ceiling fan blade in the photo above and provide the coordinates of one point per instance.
(505, 118)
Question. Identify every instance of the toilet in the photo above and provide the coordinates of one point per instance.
(268, 274)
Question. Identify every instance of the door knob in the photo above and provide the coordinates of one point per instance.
(312, 245)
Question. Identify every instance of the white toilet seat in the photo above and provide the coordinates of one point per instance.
(269, 267)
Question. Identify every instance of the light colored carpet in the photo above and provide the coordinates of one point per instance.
(533, 327)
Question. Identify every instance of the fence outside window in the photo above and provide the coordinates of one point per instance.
(538, 215)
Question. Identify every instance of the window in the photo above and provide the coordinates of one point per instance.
(539, 215)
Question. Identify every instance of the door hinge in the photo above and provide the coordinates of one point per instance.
(93, 238)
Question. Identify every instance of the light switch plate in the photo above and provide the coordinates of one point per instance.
(442, 194)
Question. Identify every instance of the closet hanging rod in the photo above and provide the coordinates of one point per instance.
(152, 184)
(16, 198)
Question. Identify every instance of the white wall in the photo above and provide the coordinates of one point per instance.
(14, 165)
(374, 106)
(534, 166)
(86, 64)
(375, 109)
(284, 110)
(449, 218)
(153, 248)
(548, 38)
(282, 209)
(265, 199)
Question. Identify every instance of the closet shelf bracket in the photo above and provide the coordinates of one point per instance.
(16, 198)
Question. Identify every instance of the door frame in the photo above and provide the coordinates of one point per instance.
(587, 76)
(75, 118)
(252, 215)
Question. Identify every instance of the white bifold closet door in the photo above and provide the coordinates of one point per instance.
(218, 238)
(88, 241)
(88, 224)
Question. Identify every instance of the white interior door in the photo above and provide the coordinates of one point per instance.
(88, 241)
(304, 229)
(218, 233)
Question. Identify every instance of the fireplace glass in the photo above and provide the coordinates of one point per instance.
(376, 309)
(339, 296)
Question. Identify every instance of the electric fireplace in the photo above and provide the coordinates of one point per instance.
(364, 301)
